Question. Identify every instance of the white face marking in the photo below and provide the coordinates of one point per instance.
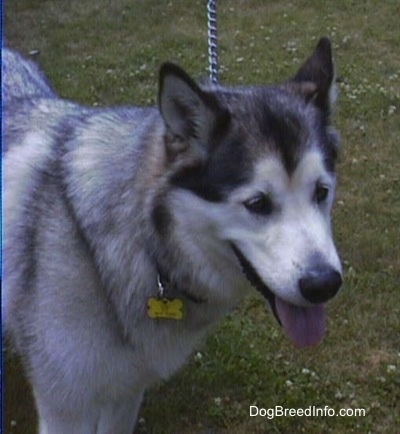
(281, 246)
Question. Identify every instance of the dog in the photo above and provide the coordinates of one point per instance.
(129, 232)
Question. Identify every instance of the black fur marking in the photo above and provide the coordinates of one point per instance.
(171, 289)
(196, 180)
(221, 126)
(29, 232)
(284, 130)
(328, 142)
(162, 219)
(226, 169)
(330, 157)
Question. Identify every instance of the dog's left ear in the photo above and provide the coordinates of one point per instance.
(315, 80)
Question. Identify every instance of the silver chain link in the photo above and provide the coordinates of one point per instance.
(213, 65)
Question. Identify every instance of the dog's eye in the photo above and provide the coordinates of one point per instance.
(321, 193)
(259, 204)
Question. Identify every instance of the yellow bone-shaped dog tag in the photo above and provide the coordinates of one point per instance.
(164, 308)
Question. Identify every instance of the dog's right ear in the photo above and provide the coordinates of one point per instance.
(191, 114)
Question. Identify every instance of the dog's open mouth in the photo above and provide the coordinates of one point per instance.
(304, 326)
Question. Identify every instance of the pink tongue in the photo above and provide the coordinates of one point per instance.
(304, 326)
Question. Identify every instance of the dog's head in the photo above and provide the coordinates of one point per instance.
(253, 167)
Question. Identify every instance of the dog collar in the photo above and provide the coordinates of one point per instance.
(163, 283)
(164, 307)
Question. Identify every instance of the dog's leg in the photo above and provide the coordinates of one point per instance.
(51, 422)
(119, 417)
(112, 417)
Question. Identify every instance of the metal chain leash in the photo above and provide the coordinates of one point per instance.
(213, 64)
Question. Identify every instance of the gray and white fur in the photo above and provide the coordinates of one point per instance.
(213, 192)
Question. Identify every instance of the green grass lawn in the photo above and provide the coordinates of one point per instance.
(107, 53)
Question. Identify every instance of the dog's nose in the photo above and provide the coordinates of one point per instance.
(320, 286)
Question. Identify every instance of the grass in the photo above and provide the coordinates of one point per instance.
(107, 53)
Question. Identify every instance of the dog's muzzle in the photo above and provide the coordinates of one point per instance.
(304, 325)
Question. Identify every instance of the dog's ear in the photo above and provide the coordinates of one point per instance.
(315, 80)
(192, 116)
